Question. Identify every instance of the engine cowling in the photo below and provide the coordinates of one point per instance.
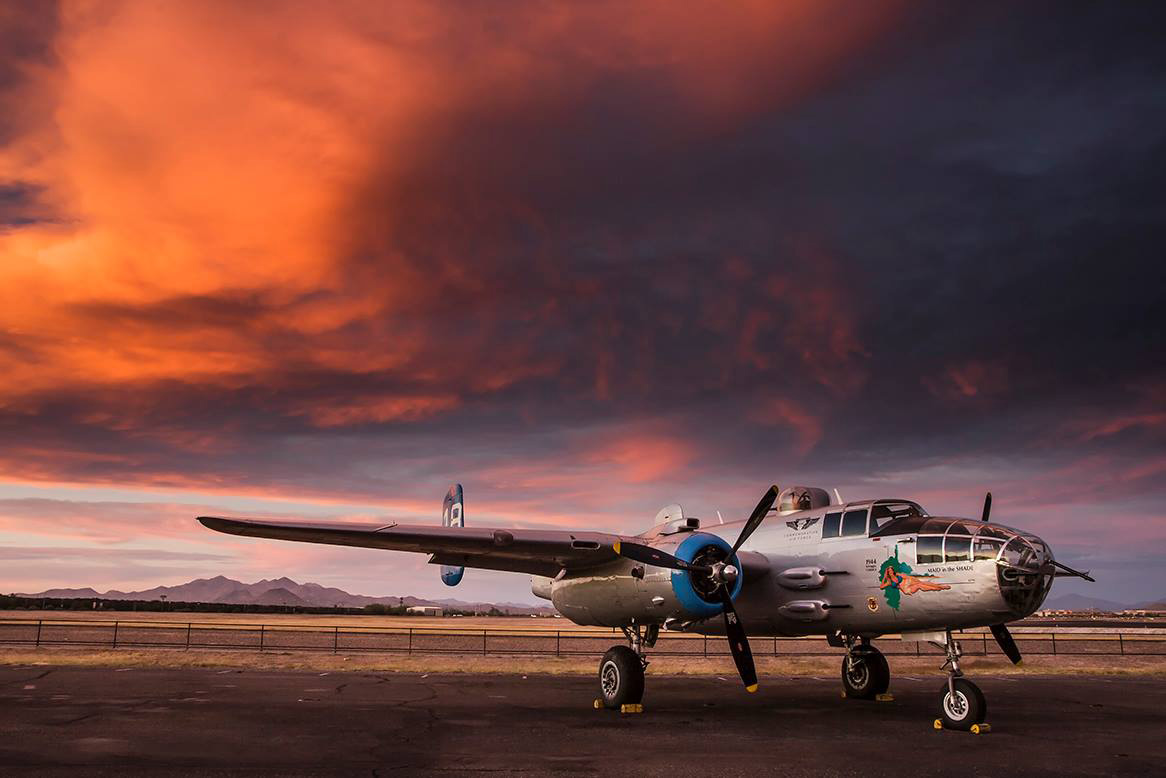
(622, 591)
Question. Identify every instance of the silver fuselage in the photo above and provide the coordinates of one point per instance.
(805, 575)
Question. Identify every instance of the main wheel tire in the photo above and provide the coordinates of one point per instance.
(968, 707)
(621, 677)
(870, 676)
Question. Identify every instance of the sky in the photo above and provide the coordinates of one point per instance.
(321, 260)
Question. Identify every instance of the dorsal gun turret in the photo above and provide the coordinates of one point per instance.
(801, 498)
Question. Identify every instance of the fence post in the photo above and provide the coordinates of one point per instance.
(1054, 634)
(115, 634)
(261, 629)
(483, 642)
(706, 646)
(775, 646)
(38, 626)
(984, 640)
(1121, 645)
(410, 650)
(917, 648)
(188, 636)
(335, 639)
(558, 637)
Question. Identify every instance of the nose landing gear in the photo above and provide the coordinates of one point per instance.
(961, 703)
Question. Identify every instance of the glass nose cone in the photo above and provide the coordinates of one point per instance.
(1024, 574)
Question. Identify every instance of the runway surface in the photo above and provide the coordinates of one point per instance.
(55, 720)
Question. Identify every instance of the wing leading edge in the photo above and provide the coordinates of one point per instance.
(537, 552)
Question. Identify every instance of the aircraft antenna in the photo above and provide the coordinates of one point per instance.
(837, 496)
(720, 518)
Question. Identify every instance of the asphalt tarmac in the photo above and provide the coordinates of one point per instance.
(60, 720)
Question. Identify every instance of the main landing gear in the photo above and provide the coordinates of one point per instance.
(865, 673)
(621, 671)
(961, 703)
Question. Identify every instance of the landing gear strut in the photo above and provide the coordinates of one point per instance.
(961, 703)
(865, 673)
(621, 670)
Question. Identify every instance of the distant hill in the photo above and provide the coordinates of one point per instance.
(280, 591)
(1080, 602)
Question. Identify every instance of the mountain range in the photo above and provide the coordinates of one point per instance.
(1081, 602)
(279, 591)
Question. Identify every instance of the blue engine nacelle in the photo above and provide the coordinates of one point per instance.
(626, 591)
(698, 595)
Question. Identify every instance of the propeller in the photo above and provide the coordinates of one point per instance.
(987, 506)
(650, 555)
(723, 574)
(1007, 644)
(739, 643)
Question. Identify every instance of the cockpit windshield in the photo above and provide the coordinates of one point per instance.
(883, 514)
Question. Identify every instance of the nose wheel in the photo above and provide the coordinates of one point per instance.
(961, 703)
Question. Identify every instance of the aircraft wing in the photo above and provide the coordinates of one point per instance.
(538, 552)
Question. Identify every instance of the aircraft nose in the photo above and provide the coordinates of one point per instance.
(1025, 574)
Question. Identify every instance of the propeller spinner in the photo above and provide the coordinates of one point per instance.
(723, 575)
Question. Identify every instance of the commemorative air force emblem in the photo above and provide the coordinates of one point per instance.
(801, 523)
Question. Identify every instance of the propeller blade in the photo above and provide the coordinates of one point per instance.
(650, 555)
(755, 518)
(1007, 644)
(1077, 573)
(987, 506)
(739, 644)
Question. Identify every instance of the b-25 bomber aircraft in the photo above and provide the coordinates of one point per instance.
(801, 564)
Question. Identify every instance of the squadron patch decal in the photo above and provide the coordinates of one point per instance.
(802, 523)
(872, 605)
(896, 579)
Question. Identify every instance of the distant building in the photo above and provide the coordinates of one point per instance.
(426, 610)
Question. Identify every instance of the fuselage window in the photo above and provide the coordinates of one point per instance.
(986, 548)
(854, 523)
(957, 548)
(830, 525)
(929, 550)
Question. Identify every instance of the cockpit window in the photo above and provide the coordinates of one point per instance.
(831, 523)
(895, 510)
(883, 514)
(854, 523)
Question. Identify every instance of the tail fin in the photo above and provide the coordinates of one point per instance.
(453, 515)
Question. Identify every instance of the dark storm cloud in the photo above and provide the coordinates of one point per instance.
(921, 244)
